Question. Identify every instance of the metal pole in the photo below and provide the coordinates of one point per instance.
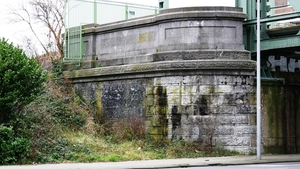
(68, 29)
(95, 12)
(258, 93)
(126, 12)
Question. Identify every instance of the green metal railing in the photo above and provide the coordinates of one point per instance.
(78, 12)
(74, 49)
(269, 21)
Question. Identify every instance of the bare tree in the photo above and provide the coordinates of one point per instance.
(49, 14)
(29, 47)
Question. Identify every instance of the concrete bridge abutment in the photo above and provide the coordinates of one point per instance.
(185, 71)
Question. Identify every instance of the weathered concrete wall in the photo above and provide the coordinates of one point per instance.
(203, 106)
(280, 113)
(189, 107)
(280, 106)
(184, 71)
(273, 117)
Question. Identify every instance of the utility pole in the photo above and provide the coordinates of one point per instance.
(258, 82)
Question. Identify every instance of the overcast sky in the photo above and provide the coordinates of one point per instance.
(9, 30)
(15, 32)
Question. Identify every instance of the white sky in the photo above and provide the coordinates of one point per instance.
(8, 30)
(16, 32)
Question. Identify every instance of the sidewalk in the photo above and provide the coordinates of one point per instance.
(167, 163)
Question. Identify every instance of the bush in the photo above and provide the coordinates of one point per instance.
(12, 148)
(45, 121)
(21, 80)
(129, 128)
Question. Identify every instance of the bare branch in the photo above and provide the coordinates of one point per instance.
(49, 13)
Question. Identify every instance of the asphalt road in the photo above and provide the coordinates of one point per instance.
(256, 166)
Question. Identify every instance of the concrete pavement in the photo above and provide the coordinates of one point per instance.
(166, 163)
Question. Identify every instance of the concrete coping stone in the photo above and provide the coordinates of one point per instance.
(202, 8)
(165, 66)
(202, 13)
(184, 55)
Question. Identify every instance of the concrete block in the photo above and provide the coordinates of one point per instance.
(188, 99)
(150, 110)
(189, 89)
(233, 141)
(245, 130)
(174, 100)
(252, 119)
(191, 109)
(174, 90)
(150, 100)
(171, 80)
(158, 110)
(224, 130)
(160, 90)
(161, 101)
(149, 91)
(224, 89)
(253, 140)
(244, 89)
(157, 121)
(206, 89)
(243, 80)
(223, 109)
(243, 149)
(232, 120)
(186, 119)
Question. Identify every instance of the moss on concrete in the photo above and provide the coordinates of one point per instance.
(273, 118)
(157, 124)
(298, 125)
(98, 102)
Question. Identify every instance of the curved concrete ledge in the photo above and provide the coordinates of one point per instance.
(226, 13)
(201, 55)
(216, 13)
(166, 66)
(163, 56)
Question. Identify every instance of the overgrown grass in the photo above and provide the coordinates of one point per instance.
(79, 147)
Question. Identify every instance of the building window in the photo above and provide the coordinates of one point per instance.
(161, 5)
(132, 13)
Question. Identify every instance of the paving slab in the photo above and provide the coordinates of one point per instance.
(166, 163)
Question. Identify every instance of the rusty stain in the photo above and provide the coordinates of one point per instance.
(145, 37)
